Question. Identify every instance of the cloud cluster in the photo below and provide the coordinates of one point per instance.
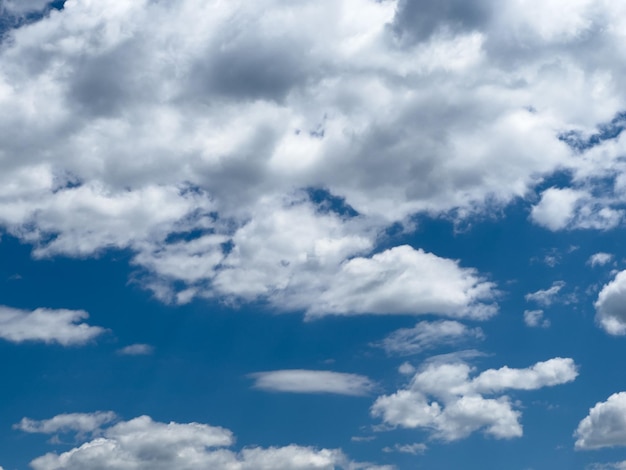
(64, 327)
(443, 399)
(144, 444)
(191, 133)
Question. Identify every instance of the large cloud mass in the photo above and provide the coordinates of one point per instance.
(193, 132)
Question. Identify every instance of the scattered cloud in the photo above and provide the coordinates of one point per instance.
(535, 318)
(313, 381)
(144, 444)
(546, 297)
(605, 426)
(428, 335)
(415, 449)
(611, 305)
(444, 399)
(136, 350)
(599, 259)
(63, 327)
(81, 423)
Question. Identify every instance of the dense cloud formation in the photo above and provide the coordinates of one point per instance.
(144, 444)
(191, 133)
(443, 399)
(46, 325)
(605, 426)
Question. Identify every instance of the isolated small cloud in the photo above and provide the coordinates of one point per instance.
(71, 422)
(556, 208)
(415, 449)
(136, 350)
(428, 335)
(64, 327)
(546, 297)
(313, 381)
(599, 259)
(535, 318)
(444, 399)
(611, 306)
(604, 426)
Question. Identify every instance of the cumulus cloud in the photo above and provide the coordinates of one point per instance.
(599, 259)
(444, 399)
(546, 297)
(144, 444)
(64, 327)
(428, 335)
(605, 426)
(312, 381)
(136, 350)
(535, 318)
(611, 306)
(187, 133)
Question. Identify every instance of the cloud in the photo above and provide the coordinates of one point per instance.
(312, 381)
(428, 335)
(605, 426)
(144, 444)
(414, 449)
(81, 423)
(611, 306)
(63, 327)
(188, 133)
(599, 259)
(546, 297)
(136, 350)
(460, 405)
(23, 6)
(534, 319)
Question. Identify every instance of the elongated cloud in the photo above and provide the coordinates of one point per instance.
(64, 327)
(313, 381)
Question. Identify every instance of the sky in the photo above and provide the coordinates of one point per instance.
(312, 235)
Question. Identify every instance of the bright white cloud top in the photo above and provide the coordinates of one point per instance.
(313, 381)
(611, 305)
(64, 327)
(443, 398)
(78, 422)
(144, 444)
(605, 426)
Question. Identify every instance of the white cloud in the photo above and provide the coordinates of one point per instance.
(546, 297)
(611, 306)
(143, 444)
(414, 449)
(599, 259)
(427, 335)
(136, 350)
(459, 404)
(64, 327)
(535, 318)
(81, 423)
(605, 426)
(312, 381)
(556, 208)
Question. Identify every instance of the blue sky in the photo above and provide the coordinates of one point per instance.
(333, 234)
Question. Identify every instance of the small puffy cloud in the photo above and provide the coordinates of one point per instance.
(428, 335)
(78, 422)
(611, 306)
(604, 426)
(599, 259)
(556, 208)
(64, 327)
(313, 381)
(144, 444)
(403, 280)
(444, 399)
(535, 318)
(546, 296)
(136, 350)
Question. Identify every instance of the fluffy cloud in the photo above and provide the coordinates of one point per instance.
(312, 381)
(189, 132)
(64, 327)
(546, 296)
(459, 405)
(427, 335)
(599, 259)
(611, 306)
(142, 443)
(605, 426)
(535, 318)
(136, 350)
